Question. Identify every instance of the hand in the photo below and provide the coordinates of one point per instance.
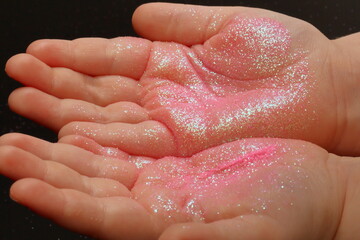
(247, 189)
(230, 73)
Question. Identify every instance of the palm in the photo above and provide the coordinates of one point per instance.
(249, 80)
(252, 188)
(254, 77)
(135, 102)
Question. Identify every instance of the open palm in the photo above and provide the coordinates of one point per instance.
(234, 73)
(150, 132)
(247, 189)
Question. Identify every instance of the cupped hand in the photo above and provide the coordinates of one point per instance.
(246, 189)
(212, 75)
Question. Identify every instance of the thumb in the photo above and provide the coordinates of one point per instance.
(185, 24)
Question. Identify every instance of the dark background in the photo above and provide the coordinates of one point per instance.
(23, 21)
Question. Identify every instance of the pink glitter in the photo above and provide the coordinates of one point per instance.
(246, 81)
(213, 180)
(249, 158)
(247, 48)
(222, 172)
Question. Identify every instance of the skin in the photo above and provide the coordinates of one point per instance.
(123, 99)
(280, 192)
(96, 183)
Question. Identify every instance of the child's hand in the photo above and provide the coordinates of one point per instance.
(230, 73)
(247, 189)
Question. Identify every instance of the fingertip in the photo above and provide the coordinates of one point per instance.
(138, 20)
(25, 189)
(63, 132)
(21, 67)
(181, 23)
(144, 11)
(12, 139)
(139, 11)
(72, 140)
(68, 129)
(12, 62)
(150, 20)
(15, 97)
(49, 51)
(20, 96)
(40, 197)
(36, 105)
(81, 142)
(16, 192)
(37, 46)
(7, 161)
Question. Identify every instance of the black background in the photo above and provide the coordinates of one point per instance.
(23, 21)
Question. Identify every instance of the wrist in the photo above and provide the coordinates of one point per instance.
(348, 226)
(345, 62)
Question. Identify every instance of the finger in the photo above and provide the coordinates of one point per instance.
(92, 146)
(66, 83)
(81, 161)
(95, 56)
(149, 138)
(55, 113)
(243, 227)
(186, 24)
(16, 163)
(104, 218)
